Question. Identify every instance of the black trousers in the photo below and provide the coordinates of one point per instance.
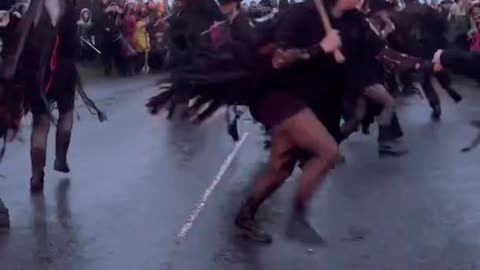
(112, 55)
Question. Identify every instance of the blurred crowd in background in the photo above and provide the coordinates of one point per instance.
(127, 36)
(463, 17)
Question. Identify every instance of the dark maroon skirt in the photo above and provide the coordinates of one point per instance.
(274, 108)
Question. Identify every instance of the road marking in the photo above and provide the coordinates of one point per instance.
(218, 177)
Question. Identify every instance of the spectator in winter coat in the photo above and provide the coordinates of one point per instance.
(85, 25)
(85, 32)
(474, 32)
(142, 40)
(129, 25)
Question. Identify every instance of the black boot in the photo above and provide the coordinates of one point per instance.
(267, 138)
(246, 223)
(62, 143)
(397, 131)
(4, 216)
(267, 143)
(61, 165)
(436, 111)
(388, 145)
(366, 129)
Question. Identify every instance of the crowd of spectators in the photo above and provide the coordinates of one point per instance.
(126, 36)
(463, 18)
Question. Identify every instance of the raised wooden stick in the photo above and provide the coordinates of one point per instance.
(327, 26)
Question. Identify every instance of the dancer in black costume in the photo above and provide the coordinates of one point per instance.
(319, 82)
(459, 62)
(297, 90)
(463, 63)
(420, 31)
(33, 77)
(368, 94)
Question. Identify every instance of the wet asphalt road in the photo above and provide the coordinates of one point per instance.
(138, 180)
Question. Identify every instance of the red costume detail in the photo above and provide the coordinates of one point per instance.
(215, 34)
(53, 64)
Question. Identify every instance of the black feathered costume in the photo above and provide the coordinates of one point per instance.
(239, 71)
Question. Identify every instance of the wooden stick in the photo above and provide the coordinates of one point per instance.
(327, 26)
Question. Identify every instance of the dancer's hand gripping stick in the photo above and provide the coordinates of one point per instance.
(327, 26)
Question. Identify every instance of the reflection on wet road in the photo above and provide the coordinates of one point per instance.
(138, 181)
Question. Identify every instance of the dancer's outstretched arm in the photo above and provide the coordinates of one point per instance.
(458, 61)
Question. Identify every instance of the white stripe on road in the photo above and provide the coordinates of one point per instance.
(218, 177)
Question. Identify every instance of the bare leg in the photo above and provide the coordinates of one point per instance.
(379, 95)
(304, 132)
(386, 139)
(312, 137)
(66, 104)
(63, 136)
(280, 168)
(41, 126)
(309, 135)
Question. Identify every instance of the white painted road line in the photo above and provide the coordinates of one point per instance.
(218, 177)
